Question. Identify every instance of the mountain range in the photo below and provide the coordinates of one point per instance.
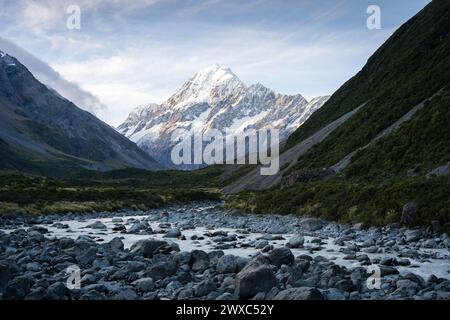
(42, 132)
(215, 98)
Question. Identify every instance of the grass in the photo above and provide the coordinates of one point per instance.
(110, 191)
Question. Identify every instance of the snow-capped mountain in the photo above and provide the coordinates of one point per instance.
(215, 98)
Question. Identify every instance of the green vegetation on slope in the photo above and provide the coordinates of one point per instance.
(419, 146)
(347, 201)
(410, 67)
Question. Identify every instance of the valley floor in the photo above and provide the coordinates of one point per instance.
(203, 251)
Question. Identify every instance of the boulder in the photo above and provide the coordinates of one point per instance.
(280, 256)
(144, 284)
(256, 277)
(57, 291)
(173, 233)
(409, 213)
(97, 225)
(204, 287)
(18, 288)
(147, 247)
(311, 224)
(296, 241)
(199, 260)
(227, 264)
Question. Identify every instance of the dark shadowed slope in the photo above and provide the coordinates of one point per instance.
(394, 149)
(42, 132)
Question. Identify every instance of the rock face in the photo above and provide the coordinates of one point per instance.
(215, 98)
(44, 132)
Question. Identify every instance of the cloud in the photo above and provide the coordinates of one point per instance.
(133, 52)
(47, 75)
(144, 72)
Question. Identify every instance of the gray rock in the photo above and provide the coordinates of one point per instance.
(226, 296)
(199, 260)
(185, 294)
(126, 293)
(311, 224)
(97, 225)
(57, 291)
(173, 233)
(435, 226)
(144, 284)
(147, 247)
(227, 264)
(204, 287)
(116, 244)
(256, 277)
(386, 271)
(259, 244)
(413, 235)
(389, 261)
(334, 294)
(296, 241)
(7, 270)
(280, 256)
(409, 213)
(303, 293)
(18, 288)
(162, 270)
(85, 258)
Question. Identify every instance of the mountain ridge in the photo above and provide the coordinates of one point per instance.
(393, 147)
(215, 98)
(41, 131)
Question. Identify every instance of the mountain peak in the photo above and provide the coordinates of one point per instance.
(214, 82)
(213, 75)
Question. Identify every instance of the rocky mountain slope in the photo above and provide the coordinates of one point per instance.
(42, 132)
(383, 138)
(215, 98)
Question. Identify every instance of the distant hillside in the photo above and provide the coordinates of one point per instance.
(42, 132)
(382, 140)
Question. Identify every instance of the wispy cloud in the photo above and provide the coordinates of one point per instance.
(47, 75)
(134, 52)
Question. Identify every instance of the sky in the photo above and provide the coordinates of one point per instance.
(128, 53)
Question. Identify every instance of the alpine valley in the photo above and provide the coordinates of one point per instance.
(359, 210)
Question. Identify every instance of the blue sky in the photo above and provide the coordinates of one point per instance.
(134, 52)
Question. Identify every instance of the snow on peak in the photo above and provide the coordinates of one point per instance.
(214, 82)
(7, 59)
(215, 98)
